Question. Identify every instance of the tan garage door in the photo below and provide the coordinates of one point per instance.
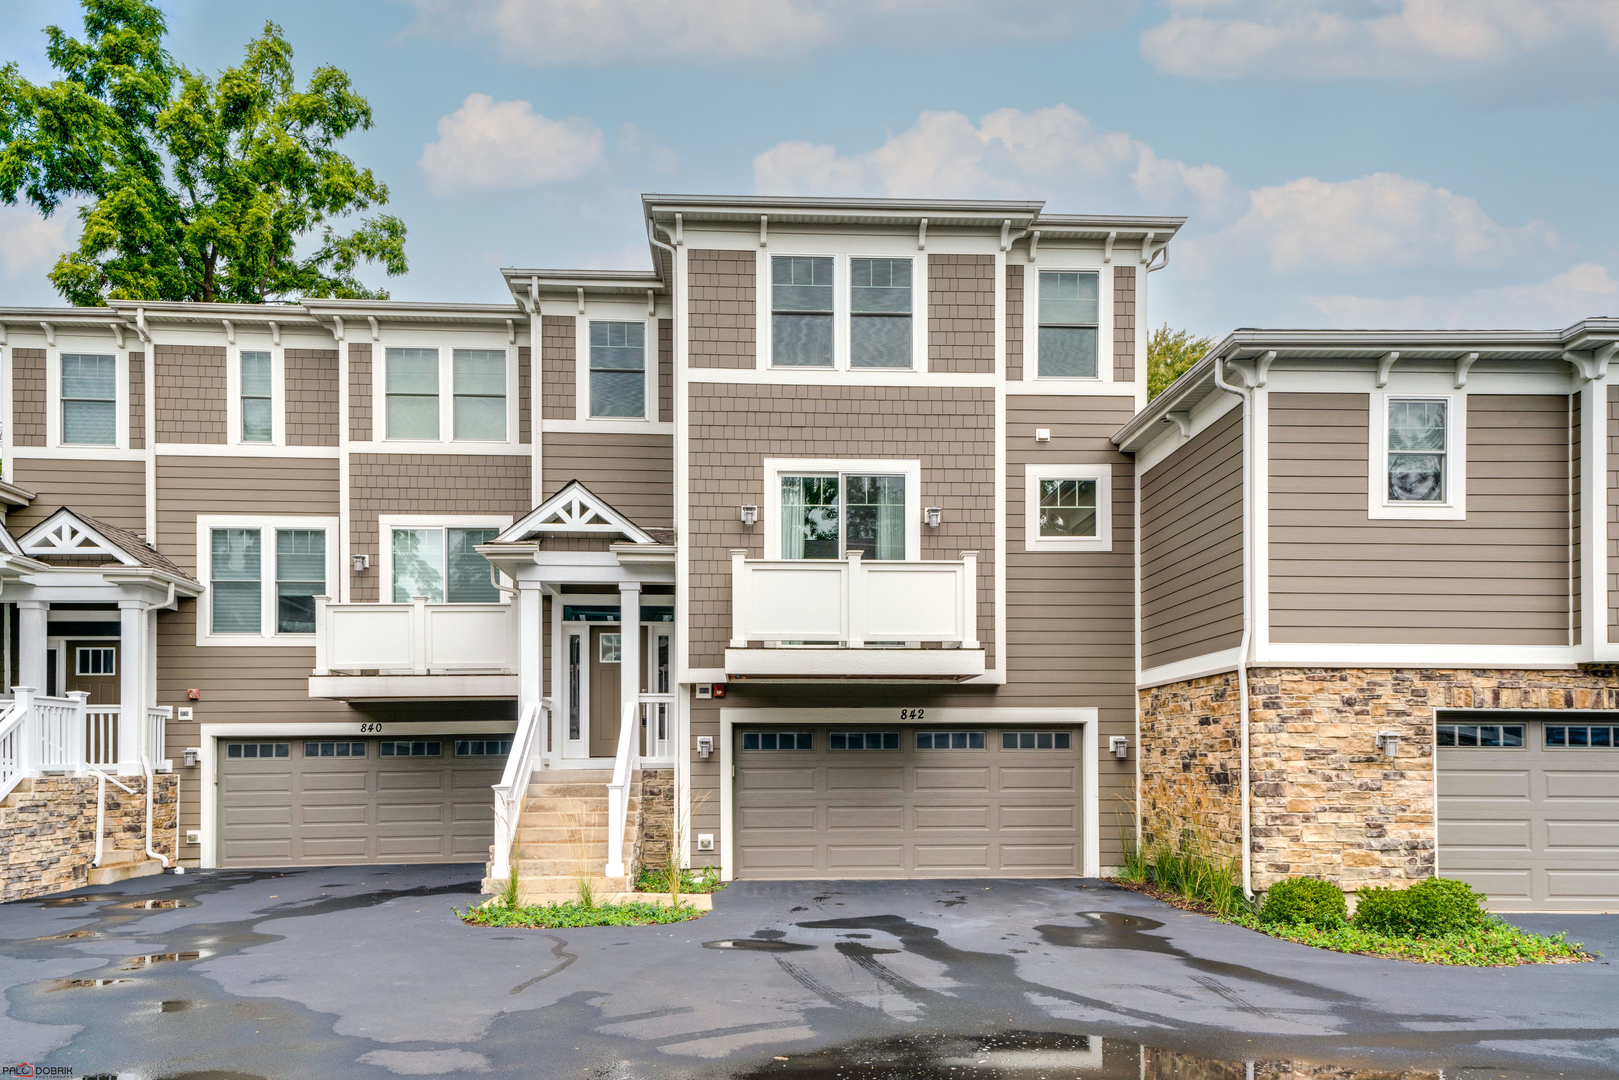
(1529, 810)
(287, 802)
(903, 802)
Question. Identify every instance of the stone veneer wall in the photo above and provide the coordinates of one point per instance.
(657, 816)
(1325, 802)
(48, 830)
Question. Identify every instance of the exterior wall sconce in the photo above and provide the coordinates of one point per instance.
(750, 515)
(705, 745)
(1389, 743)
(932, 515)
(1118, 746)
(193, 754)
(360, 562)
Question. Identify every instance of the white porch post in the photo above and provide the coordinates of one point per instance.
(132, 648)
(629, 656)
(530, 644)
(32, 616)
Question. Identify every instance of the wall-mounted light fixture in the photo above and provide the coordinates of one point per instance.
(705, 745)
(193, 754)
(750, 515)
(1389, 743)
(360, 562)
(1118, 746)
(932, 515)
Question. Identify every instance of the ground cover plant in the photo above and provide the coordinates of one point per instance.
(575, 913)
(653, 879)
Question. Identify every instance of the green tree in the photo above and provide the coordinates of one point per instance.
(1169, 354)
(225, 189)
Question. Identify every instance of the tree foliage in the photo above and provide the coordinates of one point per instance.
(227, 189)
(1169, 354)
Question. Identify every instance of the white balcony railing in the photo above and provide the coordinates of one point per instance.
(41, 735)
(418, 638)
(859, 608)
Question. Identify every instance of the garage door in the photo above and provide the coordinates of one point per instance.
(812, 802)
(1529, 811)
(329, 802)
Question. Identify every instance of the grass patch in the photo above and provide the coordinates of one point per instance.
(575, 913)
(1495, 944)
(656, 880)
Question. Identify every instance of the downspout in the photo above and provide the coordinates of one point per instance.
(1245, 646)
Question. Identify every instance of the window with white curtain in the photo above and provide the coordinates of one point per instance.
(1068, 324)
(442, 564)
(618, 369)
(257, 410)
(412, 393)
(801, 306)
(880, 313)
(827, 517)
(89, 400)
(480, 394)
(1416, 450)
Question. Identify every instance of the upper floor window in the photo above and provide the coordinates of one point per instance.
(300, 576)
(1417, 456)
(1068, 508)
(442, 564)
(241, 575)
(618, 369)
(89, 400)
(1068, 324)
(1416, 451)
(801, 306)
(826, 517)
(257, 411)
(412, 388)
(880, 313)
(480, 393)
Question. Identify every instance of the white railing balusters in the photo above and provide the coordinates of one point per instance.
(512, 791)
(40, 735)
(156, 734)
(656, 711)
(101, 735)
(618, 791)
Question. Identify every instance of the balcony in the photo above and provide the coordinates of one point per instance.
(414, 650)
(800, 619)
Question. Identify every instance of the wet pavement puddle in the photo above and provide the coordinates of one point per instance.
(82, 984)
(758, 945)
(136, 963)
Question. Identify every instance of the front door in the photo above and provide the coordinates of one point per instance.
(605, 706)
(92, 666)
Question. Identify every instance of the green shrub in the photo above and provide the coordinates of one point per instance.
(1310, 901)
(1435, 907)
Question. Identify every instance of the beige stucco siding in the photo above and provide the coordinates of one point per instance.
(189, 383)
(721, 287)
(961, 313)
(360, 391)
(1124, 324)
(558, 356)
(1500, 577)
(28, 397)
(734, 427)
(1191, 547)
(311, 385)
(426, 484)
(635, 473)
(113, 491)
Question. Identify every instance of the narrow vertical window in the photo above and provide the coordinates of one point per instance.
(412, 385)
(89, 400)
(618, 369)
(573, 685)
(1068, 324)
(801, 311)
(418, 565)
(809, 517)
(300, 576)
(471, 581)
(875, 514)
(1416, 451)
(236, 564)
(480, 394)
(880, 313)
(256, 406)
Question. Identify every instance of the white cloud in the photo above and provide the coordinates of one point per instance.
(1578, 292)
(487, 145)
(612, 31)
(1414, 40)
(30, 244)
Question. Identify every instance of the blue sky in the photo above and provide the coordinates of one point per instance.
(1342, 162)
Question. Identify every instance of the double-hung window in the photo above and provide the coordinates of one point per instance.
(1418, 456)
(263, 578)
(827, 517)
(880, 313)
(618, 369)
(1068, 324)
(300, 576)
(442, 564)
(89, 400)
(801, 299)
(1416, 451)
(480, 393)
(257, 410)
(237, 563)
(412, 392)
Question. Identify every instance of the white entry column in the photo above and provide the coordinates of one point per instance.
(629, 668)
(132, 649)
(32, 617)
(530, 644)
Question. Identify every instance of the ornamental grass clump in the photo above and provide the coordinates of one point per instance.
(1434, 907)
(1304, 901)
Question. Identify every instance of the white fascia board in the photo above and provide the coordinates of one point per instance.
(860, 664)
(418, 687)
(1416, 656)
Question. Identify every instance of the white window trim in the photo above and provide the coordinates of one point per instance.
(446, 391)
(1033, 474)
(267, 635)
(386, 523)
(1378, 505)
(1104, 323)
(843, 320)
(595, 312)
(53, 394)
(278, 392)
(80, 650)
(775, 468)
(841, 313)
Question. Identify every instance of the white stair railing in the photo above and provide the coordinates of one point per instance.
(618, 790)
(512, 791)
(101, 734)
(59, 732)
(156, 735)
(657, 715)
(13, 740)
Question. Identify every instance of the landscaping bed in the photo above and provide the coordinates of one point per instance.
(656, 880)
(575, 913)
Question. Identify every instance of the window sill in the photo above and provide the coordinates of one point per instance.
(1416, 511)
(255, 641)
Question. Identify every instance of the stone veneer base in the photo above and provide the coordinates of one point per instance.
(48, 830)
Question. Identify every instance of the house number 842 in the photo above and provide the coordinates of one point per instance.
(911, 714)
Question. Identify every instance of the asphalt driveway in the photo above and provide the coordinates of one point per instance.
(365, 972)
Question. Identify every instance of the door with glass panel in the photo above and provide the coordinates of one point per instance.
(442, 565)
(606, 651)
(657, 649)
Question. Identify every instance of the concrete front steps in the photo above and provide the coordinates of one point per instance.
(562, 838)
(121, 866)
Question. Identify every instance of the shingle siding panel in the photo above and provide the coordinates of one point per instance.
(1124, 323)
(961, 313)
(666, 370)
(137, 401)
(721, 287)
(190, 386)
(1014, 322)
(525, 395)
(312, 406)
(28, 397)
(558, 364)
(634, 473)
(360, 391)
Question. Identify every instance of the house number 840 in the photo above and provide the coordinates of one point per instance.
(366, 729)
(911, 714)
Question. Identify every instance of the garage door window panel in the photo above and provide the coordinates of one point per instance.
(489, 746)
(777, 740)
(1582, 736)
(1497, 736)
(863, 740)
(258, 750)
(950, 740)
(1036, 740)
(413, 748)
(334, 749)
